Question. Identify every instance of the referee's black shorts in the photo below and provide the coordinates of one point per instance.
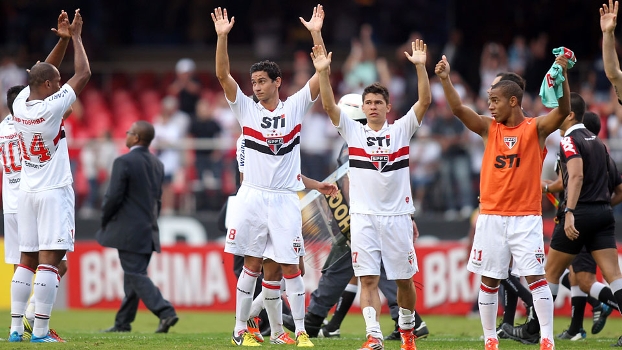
(596, 226)
(584, 262)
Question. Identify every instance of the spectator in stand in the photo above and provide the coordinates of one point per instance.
(207, 160)
(317, 138)
(455, 167)
(494, 61)
(170, 129)
(186, 86)
(10, 75)
(96, 157)
(359, 69)
(518, 54)
(425, 154)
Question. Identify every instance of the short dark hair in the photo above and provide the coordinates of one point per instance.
(269, 67)
(591, 121)
(145, 132)
(508, 89)
(377, 88)
(511, 76)
(11, 94)
(41, 72)
(577, 105)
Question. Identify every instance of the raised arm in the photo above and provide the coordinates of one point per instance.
(322, 68)
(479, 124)
(314, 25)
(608, 21)
(223, 73)
(418, 58)
(551, 121)
(55, 57)
(82, 70)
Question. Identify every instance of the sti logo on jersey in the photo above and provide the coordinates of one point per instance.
(510, 141)
(380, 161)
(274, 143)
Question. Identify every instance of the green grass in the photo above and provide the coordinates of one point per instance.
(201, 330)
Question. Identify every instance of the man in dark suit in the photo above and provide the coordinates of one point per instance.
(129, 223)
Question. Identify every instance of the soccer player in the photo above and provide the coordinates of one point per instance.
(45, 213)
(267, 200)
(380, 194)
(510, 222)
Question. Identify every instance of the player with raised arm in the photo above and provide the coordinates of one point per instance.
(608, 22)
(268, 203)
(46, 214)
(510, 222)
(380, 194)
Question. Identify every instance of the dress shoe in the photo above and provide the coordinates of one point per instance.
(166, 323)
(115, 329)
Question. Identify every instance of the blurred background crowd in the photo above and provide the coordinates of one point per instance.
(154, 60)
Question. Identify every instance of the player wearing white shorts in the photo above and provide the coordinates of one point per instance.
(267, 198)
(46, 199)
(380, 194)
(510, 222)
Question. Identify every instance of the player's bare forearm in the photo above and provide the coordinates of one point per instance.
(425, 95)
(575, 181)
(469, 117)
(328, 99)
(57, 54)
(223, 72)
(81, 66)
(617, 196)
(610, 58)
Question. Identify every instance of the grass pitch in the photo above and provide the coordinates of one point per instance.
(199, 330)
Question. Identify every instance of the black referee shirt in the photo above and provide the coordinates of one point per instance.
(580, 142)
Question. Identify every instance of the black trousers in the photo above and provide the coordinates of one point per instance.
(138, 286)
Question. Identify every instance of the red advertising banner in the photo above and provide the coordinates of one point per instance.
(201, 278)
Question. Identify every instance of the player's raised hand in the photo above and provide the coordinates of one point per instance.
(321, 62)
(562, 61)
(63, 26)
(442, 68)
(419, 54)
(316, 21)
(609, 17)
(221, 21)
(76, 24)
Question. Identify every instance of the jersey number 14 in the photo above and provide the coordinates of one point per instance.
(37, 148)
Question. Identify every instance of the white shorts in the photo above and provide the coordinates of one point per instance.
(11, 240)
(261, 217)
(499, 239)
(46, 220)
(383, 238)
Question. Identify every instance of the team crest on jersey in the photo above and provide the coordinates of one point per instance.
(275, 143)
(540, 255)
(379, 160)
(411, 257)
(510, 141)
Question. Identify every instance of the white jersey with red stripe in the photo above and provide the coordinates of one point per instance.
(272, 140)
(39, 124)
(10, 157)
(379, 173)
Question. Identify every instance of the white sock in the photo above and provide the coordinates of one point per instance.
(274, 306)
(295, 288)
(256, 306)
(487, 300)
(244, 298)
(543, 304)
(21, 287)
(45, 289)
(595, 289)
(372, 327)
(406, 319)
